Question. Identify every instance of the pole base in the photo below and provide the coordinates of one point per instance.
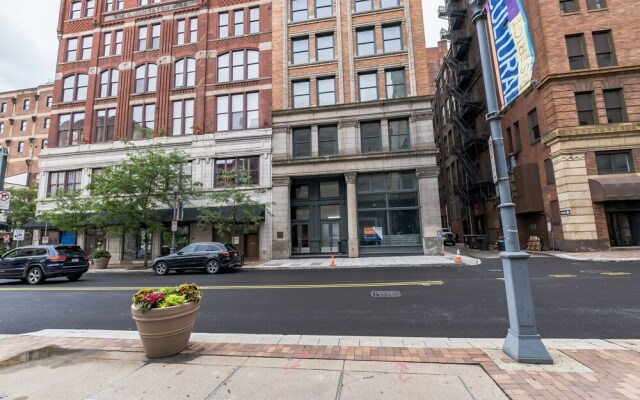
(527, 349)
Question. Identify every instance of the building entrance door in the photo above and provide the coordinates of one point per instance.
(300, 238)
(330, 239)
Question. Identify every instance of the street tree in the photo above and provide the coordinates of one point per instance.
(129, 194)
(236, 207)
(72, 210)
(22, 206)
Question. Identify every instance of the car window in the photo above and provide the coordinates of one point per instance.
(28, 252)
(189, 249)
(13, 253)
(40, 252)
(205, 247)
(218, 247)
(230, 247)
(70, 250)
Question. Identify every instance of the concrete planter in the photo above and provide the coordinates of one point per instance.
(165, 331)
(101, 263)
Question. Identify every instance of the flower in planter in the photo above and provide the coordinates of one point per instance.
(101, 254)
(170, 296)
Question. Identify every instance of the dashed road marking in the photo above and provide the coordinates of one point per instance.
(615, 273)
(563, 276)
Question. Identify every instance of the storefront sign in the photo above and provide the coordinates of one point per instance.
(373, 234)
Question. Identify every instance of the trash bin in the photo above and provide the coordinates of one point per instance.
(483, 242)
(500, 243)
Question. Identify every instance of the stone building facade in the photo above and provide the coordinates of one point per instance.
(191, 75)
(573, 140)
(354, 159)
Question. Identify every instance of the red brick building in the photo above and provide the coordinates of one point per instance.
(573, 141)
(193, 75)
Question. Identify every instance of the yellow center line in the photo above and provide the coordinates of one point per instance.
(563, 276)
(614, 273)
(235, 287)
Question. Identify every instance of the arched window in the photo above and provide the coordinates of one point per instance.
(109, 83)
(238, 65)
(185, 72)
(74, 87)
(146, 78)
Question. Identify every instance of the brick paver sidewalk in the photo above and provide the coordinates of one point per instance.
(603, 374)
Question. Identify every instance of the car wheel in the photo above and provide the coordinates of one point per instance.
(161, 268)
(212, 267)
(35, 276)
(74, 277)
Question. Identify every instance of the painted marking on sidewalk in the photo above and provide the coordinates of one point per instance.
(615, 273)
(563, 276)
(231, 287)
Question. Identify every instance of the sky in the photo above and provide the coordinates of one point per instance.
(29, 44)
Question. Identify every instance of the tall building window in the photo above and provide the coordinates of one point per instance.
(87, 44)
(49, 101)
(146, 78)
(326, 91)
(245, 65)
(20, 146)
(392, 38)
(301, 94)
(603, 44)
(23, 125)
(187, 30)
(145, 2)
(396, 84)
(89, 8)
(576, 52)
(614, 104)
(619, 162)
(109, 82)
(299, 10)
(117, 43)
(548, 168)
(368, 83)
(585, 104)
(70, 127)
(324, 47)
(366, 41)
(363, 5)
(223, 25)
(107, 37)
(74, 87)
(44, 143)
(250, 165)
(237, 111)
(324, 8)
(254, 20)
(63, 181)
(182, 117)
(301, 142)
(149, 39)
(113, 5)
(47, 123)
(300, 50)
(3, 107)
(185, 72)
(596, 4)
(76, 9)
(389, 3)
(533, 125)
(105, 125)
(327, 140)
(370, 137)
(25, 104)
(516, 136)
(144, 117)
(399, 138)
(568, 6)
(72, 49)
(1, 127)
(238, 22)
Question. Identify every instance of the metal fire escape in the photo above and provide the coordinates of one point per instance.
(474, 189)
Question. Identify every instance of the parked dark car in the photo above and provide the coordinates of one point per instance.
(212, 256)
(447, 236)
(34, 264)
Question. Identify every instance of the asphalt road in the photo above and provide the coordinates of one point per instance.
(573, 300)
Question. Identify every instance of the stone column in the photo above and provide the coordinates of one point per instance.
(352, 214)
(156, 244)
(430, 210)
(281, 225)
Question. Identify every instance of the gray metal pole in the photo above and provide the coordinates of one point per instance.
(172, 250)
(522, 343)
(4, 152)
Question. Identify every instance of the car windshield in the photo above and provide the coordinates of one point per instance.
(70, 250)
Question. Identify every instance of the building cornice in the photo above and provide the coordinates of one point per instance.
(591, 132)
(587, 73)
(349, 162)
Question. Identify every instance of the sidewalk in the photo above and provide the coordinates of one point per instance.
(85, 364)
(469, 257)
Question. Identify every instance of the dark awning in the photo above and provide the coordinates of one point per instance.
(615, 188)
(191, 213)
(35, 224)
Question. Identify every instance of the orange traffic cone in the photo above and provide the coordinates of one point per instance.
(333, 262)
(458, 258)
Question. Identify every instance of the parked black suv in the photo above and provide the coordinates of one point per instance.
(34, 264)
(210, 256)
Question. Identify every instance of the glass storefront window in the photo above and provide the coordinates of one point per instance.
(301, 213)
(301, 192)
(330, 212)
(372, 201)
(329, 189)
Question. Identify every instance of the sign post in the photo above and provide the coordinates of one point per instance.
(514, 63)
(5, 199)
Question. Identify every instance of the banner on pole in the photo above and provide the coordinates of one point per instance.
(513, 54)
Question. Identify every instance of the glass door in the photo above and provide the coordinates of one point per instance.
(330, 237)
(300, 238)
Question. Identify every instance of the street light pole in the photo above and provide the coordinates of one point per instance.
(522, 343)
(172, 250)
